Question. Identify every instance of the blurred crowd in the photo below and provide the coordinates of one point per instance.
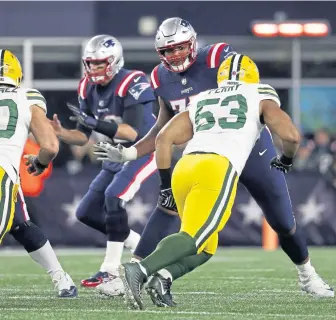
(318, 153)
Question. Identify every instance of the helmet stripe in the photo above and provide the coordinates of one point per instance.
(235, 66)
(239, 66)
(2, 58)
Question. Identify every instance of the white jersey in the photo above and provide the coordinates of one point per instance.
(226, 120)
(15, 117)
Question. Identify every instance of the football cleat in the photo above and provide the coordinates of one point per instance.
(311, 283)
(64, 285)
(95, 280)
(133, 279)
(158, 288)
(112, 287)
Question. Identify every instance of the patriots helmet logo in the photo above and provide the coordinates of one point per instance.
(138, 89)
(109, 43)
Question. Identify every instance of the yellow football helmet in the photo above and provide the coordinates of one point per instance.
(238, 67)
(10, 68)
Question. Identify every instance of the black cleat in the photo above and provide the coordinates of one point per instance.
(158, 288)
(133, 279)
(68, 293)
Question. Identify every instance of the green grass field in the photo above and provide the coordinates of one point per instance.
(235, 284)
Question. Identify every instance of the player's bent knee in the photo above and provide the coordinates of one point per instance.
(113, 203)
(30, 236)
(287, 228)
(116, 220)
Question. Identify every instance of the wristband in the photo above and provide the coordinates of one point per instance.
(165, 177)
(286, 160)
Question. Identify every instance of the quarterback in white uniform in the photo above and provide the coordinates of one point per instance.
(23, 111)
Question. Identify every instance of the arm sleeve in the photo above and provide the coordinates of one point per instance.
(133, 115)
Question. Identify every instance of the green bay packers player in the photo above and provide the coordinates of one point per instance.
(23, 111)
(222, 124)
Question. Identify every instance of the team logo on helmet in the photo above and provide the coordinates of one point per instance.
(109, 43)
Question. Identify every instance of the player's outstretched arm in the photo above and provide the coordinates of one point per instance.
(178, 130)
(46, 138)
(73, 137)
(280, 123)
(147, 144)
(106, 152)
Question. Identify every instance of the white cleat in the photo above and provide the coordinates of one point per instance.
(311, 283)
(113, 287)
(64, 285)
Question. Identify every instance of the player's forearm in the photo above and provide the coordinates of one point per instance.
(147, 144)
(47, 154)
(126, 132)
(163, 154)
(73, 137)
(290, 148)
(290, 140)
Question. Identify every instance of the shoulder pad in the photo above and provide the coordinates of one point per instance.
(268, 92)
(82, 87)
(35, 97)
(213, 58)
(33, 94)
(155, 82)
(122, 87)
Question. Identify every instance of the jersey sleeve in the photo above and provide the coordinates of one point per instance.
(215, 54)
(137, 90)
(34, 97)
(267, 92)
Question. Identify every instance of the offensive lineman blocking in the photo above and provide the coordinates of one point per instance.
(223, 125)
(184, 72)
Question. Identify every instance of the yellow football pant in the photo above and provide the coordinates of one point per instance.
(204, 188)
(8, 195)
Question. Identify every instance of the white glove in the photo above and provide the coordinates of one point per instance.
(107, 152)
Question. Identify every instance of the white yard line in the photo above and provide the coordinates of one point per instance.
(198, 313)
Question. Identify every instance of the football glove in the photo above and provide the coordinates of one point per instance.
(106, 152)
(166, 199)
(35, 167)
(282, 163)
(81, 117)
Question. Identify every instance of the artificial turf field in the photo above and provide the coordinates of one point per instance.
(236, 284)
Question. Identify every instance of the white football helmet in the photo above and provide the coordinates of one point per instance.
(172, 33)
(103, 48)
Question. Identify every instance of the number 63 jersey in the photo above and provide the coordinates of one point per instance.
(226, 120)
(15, 117)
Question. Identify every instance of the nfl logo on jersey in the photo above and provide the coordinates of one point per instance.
(184, 81)
(138, 89)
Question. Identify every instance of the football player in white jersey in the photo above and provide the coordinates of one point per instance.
(222, 125)
(23, 111)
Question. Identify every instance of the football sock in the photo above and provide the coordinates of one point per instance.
(168, 251)
(132, 241)
(46, 258)
(295, 246)
(113, 255)
(159, 225)
(306, 267)
(184, 266)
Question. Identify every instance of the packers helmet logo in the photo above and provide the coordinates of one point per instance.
(238, 67)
